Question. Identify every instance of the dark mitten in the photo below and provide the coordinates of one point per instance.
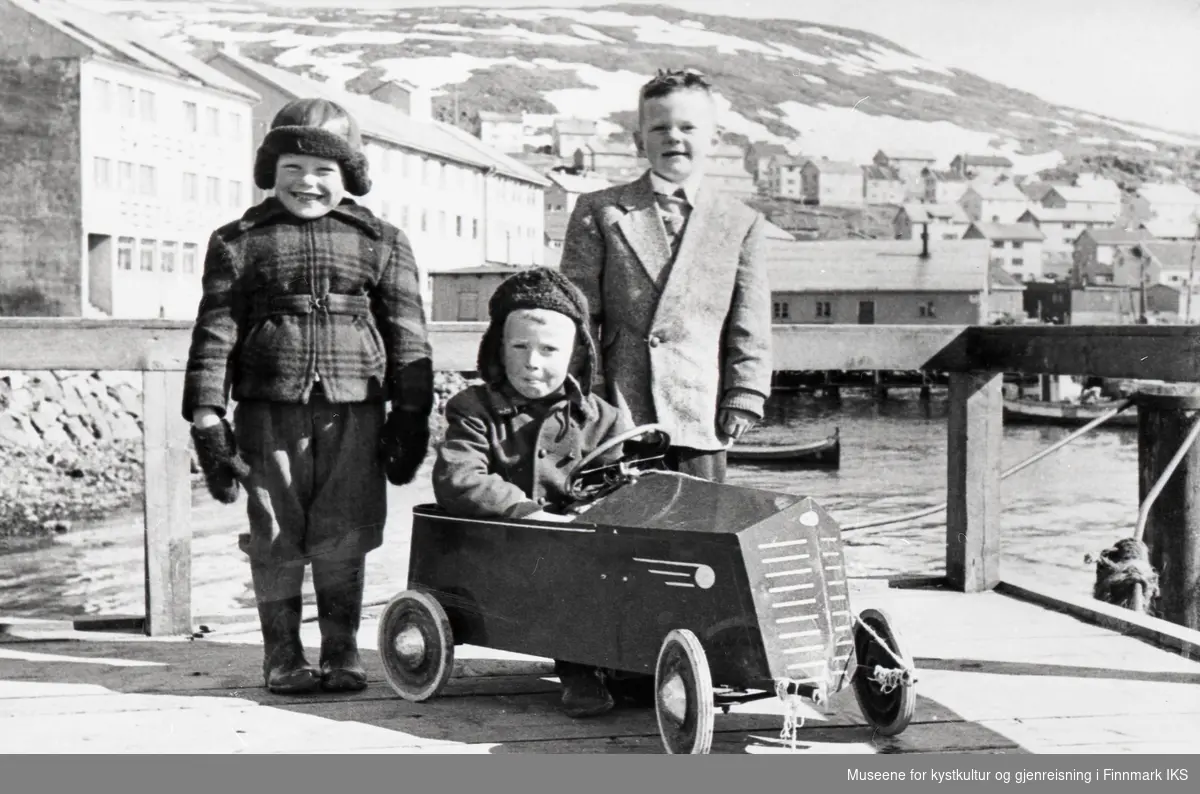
(216, 450)
(404, 445)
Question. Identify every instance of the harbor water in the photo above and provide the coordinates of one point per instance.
(1077, 501)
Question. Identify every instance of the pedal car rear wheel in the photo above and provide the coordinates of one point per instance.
(888, 712)
(683, 699)
(416, 645)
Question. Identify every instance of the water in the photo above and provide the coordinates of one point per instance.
(1079, 500)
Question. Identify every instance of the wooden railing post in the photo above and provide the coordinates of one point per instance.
(1172, 533)
(975, 433)
(168, 505)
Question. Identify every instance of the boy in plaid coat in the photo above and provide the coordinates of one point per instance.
(312, 317)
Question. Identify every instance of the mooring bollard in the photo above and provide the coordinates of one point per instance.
(1165, 415)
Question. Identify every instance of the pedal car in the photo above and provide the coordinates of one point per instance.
(725, 594)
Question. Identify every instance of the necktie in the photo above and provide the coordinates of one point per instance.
(674, 210)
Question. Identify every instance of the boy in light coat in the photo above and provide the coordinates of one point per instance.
(675, 275)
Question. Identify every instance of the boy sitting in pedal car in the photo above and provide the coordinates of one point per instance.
(511, 441)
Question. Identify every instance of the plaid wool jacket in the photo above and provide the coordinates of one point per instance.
(287, 301)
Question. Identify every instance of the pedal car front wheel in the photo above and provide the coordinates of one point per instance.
(416, 645)
(684, 702)
(889, 704)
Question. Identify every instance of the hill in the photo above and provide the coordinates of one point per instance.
(822, 90)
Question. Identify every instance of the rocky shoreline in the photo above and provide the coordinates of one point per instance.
(71, 450)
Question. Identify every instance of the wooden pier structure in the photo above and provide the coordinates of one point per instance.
(1004, 666)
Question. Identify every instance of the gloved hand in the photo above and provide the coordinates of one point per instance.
(404, 445)
(223, 466)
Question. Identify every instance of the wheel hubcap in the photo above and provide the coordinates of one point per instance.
(673, 697)
(410, 646)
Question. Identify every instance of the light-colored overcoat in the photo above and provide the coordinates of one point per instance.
(679, 340)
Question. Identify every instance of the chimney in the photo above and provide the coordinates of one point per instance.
(925, 240)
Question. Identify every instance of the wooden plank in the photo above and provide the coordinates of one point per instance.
(975, 434)
(1150, 352)
(168, 506)
(1182, 640)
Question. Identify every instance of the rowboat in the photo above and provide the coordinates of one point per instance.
(826, 452)
(1040, 412)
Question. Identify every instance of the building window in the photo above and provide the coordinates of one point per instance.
(102, 172)
(146, 106)
(213, 193)
(191, 190)
(926, 310)
(404, 216)
(458, 226)
(146, 252)
(424, 220)
(442, 223)
(780, 310)
(103, 100)
(235, 193)
(998, 244)
(191, 117)
(168, 256)
(146, 180)
(125, 100)
(385, 210)
(1018, 244)
(212, 122)
(188, 260)
(235, 124)
(824, 309)
(1068, 225)
(125, 177)
(125, 253)
(474, 228)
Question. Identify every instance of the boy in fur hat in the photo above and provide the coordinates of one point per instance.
(511, 440)
(311, 316)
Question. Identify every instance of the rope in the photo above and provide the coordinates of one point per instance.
(1144, 513)
(879, 522)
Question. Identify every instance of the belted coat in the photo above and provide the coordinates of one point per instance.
(678, 340)
(288, 301)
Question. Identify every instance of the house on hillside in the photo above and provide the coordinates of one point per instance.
(993, 203)
(1092, 259)
(1174, 204)
(784, 176)
(1085, 200)
(615, 160)
(1156, 262)
(887, 282)
(125, 154)
(1170, 229)
(986, 168)
(461, 202)
(942, 187)
(831, 183)
(1016, 247)
(565, 188)
(410, 98)
(1062, 228)
(758, 161)
(504, 132)
(910, 165)
(882, 184)
(571, 134)
(944, 221)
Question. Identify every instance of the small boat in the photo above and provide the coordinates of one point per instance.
(1040, 412)
(824, 453)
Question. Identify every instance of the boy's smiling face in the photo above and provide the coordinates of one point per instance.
(308, 186)
(538, 344)
(677, 132)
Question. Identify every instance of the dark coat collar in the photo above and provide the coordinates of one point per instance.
(506, 401)
(271, 209)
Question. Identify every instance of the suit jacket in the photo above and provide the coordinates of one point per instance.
(678, 340)
(288, 300)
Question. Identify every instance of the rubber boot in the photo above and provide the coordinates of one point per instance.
(277, 591)
(584, 692)
(339, 586)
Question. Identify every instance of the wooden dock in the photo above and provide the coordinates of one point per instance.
(997, 674)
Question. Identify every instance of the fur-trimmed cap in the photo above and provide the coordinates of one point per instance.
(319, 128)
(537, 288)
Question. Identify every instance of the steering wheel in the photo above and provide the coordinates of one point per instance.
(623, 472)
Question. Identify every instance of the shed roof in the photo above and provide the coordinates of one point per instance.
(877, 266)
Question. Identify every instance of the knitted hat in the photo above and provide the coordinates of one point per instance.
(537, 288)
(319, 128)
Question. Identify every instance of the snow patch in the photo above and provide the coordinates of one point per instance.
(817, 79)
(829, 34)
(920, 86)
(797, 54)
(584, 32)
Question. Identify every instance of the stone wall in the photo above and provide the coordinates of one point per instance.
(70, 408)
